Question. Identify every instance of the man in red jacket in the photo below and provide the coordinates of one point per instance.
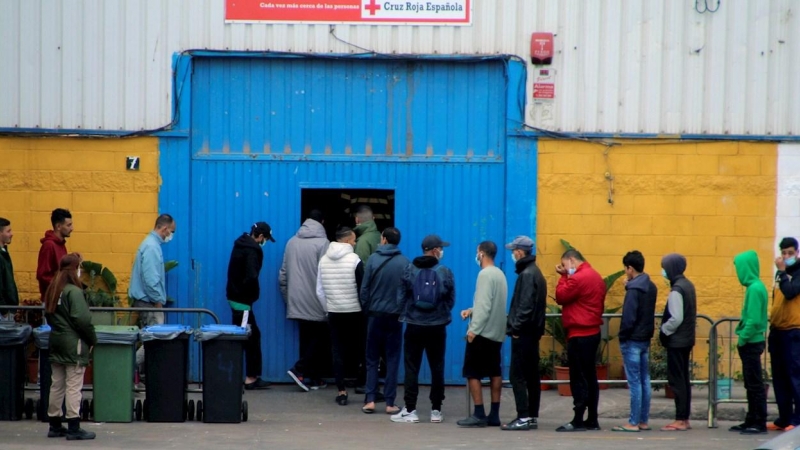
(54, 247)
(581, 292)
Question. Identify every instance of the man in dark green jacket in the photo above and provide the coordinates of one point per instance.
(751, 342)
(8, 287)
(368, 238)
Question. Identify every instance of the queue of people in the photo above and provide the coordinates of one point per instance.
(360, 290)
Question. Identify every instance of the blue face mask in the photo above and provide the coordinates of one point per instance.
(791, 261)
(664, 273)
(262, 243)
(478, 260)
(571, 271)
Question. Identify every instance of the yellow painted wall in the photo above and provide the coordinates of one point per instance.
(112, 208)
(708, 201)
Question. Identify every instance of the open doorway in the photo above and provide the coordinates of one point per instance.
(339, 206)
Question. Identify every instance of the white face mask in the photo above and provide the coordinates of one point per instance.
(441, 253)
(514, 257)
(168, 238)
(478, 260)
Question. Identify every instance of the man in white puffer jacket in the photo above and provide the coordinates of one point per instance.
(338, 283)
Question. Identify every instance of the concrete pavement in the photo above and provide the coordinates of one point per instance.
(285, 417)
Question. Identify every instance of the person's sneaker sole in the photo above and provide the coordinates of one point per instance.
(405, 419)
(297, 380)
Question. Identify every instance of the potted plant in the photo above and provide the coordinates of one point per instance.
(546, 365)
(100, 291)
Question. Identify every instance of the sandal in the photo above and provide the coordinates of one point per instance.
(366, 410)
(645, 428)
(392, 410)
(672, 427)
(626, 430)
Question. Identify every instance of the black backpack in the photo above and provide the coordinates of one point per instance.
(426, 289)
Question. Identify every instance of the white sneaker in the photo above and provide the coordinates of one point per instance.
(406, 417)
(437, 416)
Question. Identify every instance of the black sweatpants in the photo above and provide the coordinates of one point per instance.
(314, 337)
(679, 380)
(348, 349)
(524, 375)
(252, 347)
(431, 340)
(754, 383)
(582, 352)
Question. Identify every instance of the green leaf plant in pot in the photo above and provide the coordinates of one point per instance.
(100, 291)
(555, 328)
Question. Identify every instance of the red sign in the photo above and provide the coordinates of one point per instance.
(373, 12)
(542, 48)
(544, 90)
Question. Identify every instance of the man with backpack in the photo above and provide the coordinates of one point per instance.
(382, 276)
(487, 331)
(426, 296)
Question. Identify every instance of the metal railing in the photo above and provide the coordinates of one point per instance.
(714, 354)
(28, 309)
(695, 382)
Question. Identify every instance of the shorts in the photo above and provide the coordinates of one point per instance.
(482, 359)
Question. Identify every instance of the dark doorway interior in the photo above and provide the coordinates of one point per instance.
(339, 206)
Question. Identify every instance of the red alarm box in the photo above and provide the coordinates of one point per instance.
(542, 48)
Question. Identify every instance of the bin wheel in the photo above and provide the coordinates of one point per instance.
(190, 410)
(244, 411)
(138, 410)
(199, 410)
(29, 409)
(145, 414)
(85, 410)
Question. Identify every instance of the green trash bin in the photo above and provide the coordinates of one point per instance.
(113, 373)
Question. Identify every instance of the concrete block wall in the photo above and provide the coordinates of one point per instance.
(112, 208)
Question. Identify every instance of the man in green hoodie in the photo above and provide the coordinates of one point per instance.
(751, 342)
(368, 238)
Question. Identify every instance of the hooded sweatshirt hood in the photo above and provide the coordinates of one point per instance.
(388, 250)
(311, 229)
(50, 235)
(337, 250)
(674, 264)
(425, 261)
(640, 283)
(747, 267)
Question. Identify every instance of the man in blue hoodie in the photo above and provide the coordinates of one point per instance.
(426, 296)
(382, 277)
(635, 333)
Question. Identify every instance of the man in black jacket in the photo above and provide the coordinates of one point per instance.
(635, 333)
(525, 325)
(243, 290)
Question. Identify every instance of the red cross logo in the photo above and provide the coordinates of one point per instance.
(372, 7)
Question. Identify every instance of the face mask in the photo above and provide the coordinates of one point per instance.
(571, 271)
(79, 272)
(478, 260)
(168, 238)
(791, 261)
(664, 273)
(441, 253)
(514, 257)
(261, 244)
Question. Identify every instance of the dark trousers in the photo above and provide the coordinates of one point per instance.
(524, 375)
(679, 380)
(348, 350)
(582, 352)
(784, 349)
(252, 348)
(754, 383)
(313, 339)
(384, 336)
(431, 340)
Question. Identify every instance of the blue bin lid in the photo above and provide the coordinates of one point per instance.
(168, 328)
(234, 330)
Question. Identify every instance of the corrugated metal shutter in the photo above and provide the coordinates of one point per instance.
(263, 129)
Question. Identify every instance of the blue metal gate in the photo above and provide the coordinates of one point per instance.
(263, 129)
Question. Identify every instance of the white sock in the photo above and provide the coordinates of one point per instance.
(525, 419)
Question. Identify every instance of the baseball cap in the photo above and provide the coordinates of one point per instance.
(522, 243)
(262, 228)
(432, 241)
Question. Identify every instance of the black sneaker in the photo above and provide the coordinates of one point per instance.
(76, 433)
(592, 426)
(738, 428)
(570, 427)
(517, 425)
(298, 379)
(754, 429)
(472, 422)
(341, 399)
(316, 385)
(258, 384)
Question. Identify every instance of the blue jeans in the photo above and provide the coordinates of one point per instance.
(636, 358)
(383, 334)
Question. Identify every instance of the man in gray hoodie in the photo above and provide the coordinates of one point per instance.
(298, 284)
